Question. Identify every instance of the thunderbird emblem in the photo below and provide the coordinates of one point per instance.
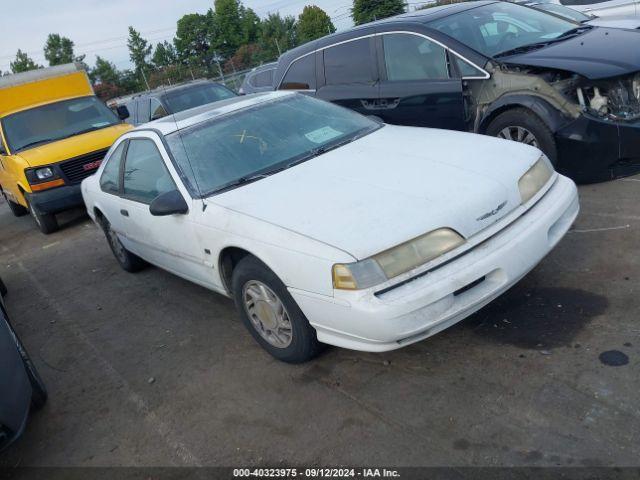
(492, 212)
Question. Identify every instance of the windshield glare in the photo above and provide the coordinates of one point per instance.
(261, 139)
(499, 27)
(566, 12)
(196, 96)
(55, 121)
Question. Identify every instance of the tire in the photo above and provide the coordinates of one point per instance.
(17, 209)
(46, 222)
(292, 340)
(39, 393)
(127, 260)
(519, 119)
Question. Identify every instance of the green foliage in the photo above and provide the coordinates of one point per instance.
(278, 35)
(104, 72)
(313, 23)
(139, 51)
(193, 38)
(164, 55)
(228, 27)
(365, 11)
(23, 63)
(58, 50)
(250, 25)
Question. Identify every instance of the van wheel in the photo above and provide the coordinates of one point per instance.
(524, 126)
(270, 313)
(17, 209)
(46, 222)
(128, 261)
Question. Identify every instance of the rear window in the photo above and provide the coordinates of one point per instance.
(348, 63)
(263, 79)
(301, 74)
(196, 96)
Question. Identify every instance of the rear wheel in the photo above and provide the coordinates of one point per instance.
(270, 313)
(46, 222)
(17, 209)
(524, 126)
(127, 260)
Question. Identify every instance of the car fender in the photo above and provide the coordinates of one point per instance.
(550, 115)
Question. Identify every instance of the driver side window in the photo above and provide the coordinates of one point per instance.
(145, 174)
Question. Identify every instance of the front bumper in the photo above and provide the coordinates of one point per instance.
(384, 318)
(56, 200)
(594, 150)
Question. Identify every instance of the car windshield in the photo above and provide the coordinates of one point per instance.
(55, 121)
(566, 12)
(501, 27)
(196, 96)
(251, 143)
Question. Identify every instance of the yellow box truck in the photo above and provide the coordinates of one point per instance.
(54, 132)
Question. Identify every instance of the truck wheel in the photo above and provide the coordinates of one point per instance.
(524, 126)
(46, 222)
(270, 313)
(128, 261)
(17, 209)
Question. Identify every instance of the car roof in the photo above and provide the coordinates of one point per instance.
(193, 116)
(161, 90)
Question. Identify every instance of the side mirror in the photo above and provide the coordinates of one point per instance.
(169, 203)
(123, 112)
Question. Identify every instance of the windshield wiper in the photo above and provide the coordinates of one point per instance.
(534, 46)
(37, 142)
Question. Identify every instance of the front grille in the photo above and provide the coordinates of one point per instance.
(79, 168)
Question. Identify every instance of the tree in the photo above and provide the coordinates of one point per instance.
(105, 72)
(364, 11)
(246, 56)
(193, 39)
(164, 55)
(228, 27)
(278, 35)
(250, 25)
(313, 23)
(58, 50)
(139, 51)
(23, 63)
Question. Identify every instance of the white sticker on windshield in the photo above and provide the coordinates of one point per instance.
(323, 134)
(99, 124)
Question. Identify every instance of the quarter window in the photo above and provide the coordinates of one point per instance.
(466, 69)
(145, 174)
(157, 109)
(410, 57)
(263, 79)
(110, 179)
(301, 74)
(348, 63)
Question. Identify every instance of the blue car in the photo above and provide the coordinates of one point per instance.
(21, 388)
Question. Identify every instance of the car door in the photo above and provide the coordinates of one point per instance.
(417, 85)
(167, 241)
(109, 202)
(349, 75)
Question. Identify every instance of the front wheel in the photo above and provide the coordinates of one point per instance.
(127, 260)
(270, 313)
(46, 222)
(524, 126)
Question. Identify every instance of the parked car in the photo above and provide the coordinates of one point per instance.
(604, 9)
(21, 386)
(489, 67)
(158, 103)
(260, 79)
(54, 133)
(326, 226)
(631, 22)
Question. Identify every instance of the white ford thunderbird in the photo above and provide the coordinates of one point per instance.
(326, 226)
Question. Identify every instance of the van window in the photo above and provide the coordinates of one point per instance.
(110, 179)
(145, 174)
(410, 57)
(143, 110)
(348, 63)
(301, 74)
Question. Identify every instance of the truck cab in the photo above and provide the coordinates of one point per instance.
(54, 132)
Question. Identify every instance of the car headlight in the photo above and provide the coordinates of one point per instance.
(395, 261)
(534, 179)
(44, 173)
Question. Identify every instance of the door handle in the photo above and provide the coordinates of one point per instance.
(124, 213)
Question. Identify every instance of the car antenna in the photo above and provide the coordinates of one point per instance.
(186, 153)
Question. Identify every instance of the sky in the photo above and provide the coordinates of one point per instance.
(99, 27)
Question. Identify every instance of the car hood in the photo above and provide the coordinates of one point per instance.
(597, 54)
(73, 146)
(389, 187)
